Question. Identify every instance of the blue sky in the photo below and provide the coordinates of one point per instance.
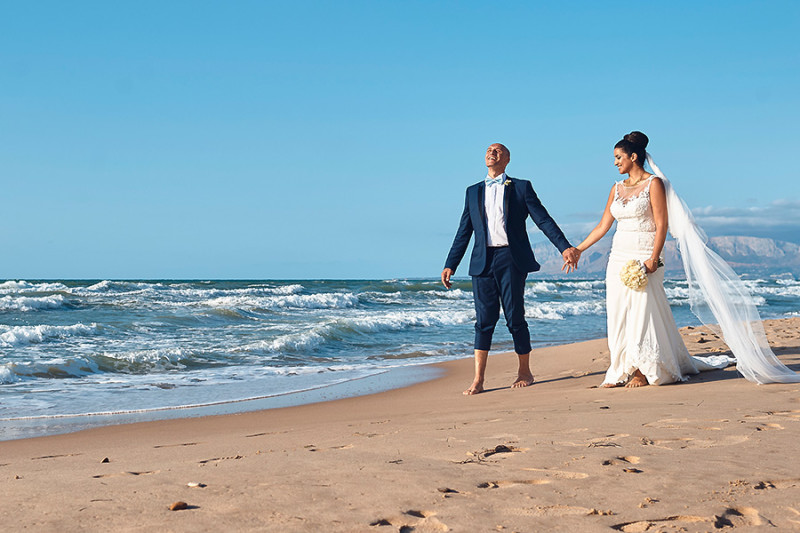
(335, 139)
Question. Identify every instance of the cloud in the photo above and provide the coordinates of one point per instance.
(778, 213)
(778, 220)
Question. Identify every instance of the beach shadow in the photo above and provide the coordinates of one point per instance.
(493, 389)
(790, 355)
(711, 376)
(564, 378)
(543, 381)
(731, 372)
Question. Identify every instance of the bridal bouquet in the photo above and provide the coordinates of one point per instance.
(633, 275)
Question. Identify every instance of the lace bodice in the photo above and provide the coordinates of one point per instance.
(631, 207)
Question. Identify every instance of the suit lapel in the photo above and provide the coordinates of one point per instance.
(482, 202)
(507, 190)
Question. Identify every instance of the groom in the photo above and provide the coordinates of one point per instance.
(495, 211)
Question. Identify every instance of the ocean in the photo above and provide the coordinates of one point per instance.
(76, 354)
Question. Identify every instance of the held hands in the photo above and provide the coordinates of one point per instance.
(571, 257)
(446, 273)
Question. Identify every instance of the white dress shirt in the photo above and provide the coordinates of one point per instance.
(495, 219)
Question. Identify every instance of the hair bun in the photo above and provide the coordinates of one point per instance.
(637, 138)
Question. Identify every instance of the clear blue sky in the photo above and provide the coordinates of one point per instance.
(335, 139)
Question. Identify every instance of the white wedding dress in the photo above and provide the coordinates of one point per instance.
(641, 329)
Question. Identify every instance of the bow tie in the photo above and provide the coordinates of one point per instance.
(496, 181)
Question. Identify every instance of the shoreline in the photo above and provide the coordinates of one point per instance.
(45, 426)
(560, 455)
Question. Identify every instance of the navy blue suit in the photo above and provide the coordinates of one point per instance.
(498, 274)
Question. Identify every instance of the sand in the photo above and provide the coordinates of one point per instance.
(715, 453)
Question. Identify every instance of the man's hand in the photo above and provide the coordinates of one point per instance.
(571, 257)
(446, 273)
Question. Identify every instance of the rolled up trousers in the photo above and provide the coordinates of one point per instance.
(501, 282)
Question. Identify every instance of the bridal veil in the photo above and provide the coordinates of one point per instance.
(719, 298)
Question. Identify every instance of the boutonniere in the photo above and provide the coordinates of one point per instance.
(507, 183)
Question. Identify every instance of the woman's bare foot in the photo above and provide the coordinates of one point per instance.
(523, 380)
(475, 388)
(611, 385)
(638, 380)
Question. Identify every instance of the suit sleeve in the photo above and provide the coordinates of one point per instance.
(461, 241)
(543, 220)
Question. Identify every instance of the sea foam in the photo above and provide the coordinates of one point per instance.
(341, 328)
(28, 303)
(21, 335)
(298, 301)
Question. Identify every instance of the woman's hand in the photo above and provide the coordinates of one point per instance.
(651, 265)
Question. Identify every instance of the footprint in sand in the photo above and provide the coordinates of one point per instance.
(625, 460)
(413, 520)
(731, 517)
(485, 454)
(622, 459)
(769, 426)
(741, 516)
(777, 484)
(511, 483)
(147, 473)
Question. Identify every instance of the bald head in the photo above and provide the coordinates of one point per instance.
(497, 159)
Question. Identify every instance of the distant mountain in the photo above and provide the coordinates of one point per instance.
(746, 255)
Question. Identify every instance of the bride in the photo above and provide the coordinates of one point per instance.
(645, 346)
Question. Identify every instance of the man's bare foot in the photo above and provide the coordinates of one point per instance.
(638, 380)
(475, 388)
(525, 380)
(611, 385)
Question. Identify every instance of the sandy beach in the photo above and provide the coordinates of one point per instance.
(713, 453)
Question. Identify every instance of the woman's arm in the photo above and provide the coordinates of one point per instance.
(658, 201)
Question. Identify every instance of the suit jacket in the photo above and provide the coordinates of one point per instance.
(519, 201)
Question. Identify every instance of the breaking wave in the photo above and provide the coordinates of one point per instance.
(29, 303)
(22, 335)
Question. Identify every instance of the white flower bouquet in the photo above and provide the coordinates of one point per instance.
(634, 275)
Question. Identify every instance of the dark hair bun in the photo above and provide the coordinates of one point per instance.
(637, 138)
